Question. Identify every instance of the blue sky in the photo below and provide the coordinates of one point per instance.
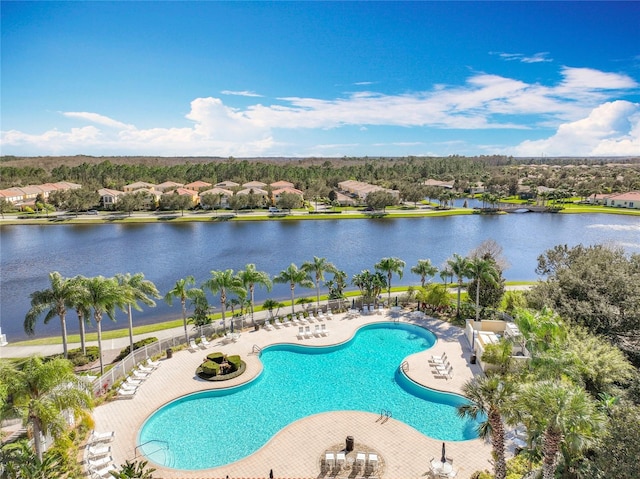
(304, 79)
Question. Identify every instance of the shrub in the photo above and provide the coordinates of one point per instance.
(137, 345)
(235, 361)
(210, 368)
(216, 357)
(78, 359)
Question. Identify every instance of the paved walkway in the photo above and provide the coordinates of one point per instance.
(295, 451)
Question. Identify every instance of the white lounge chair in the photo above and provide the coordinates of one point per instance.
(300, 332)
(340, 460)
(130, 382)
(128, 386)
(307, 332)
(361, 458)
(101, 436)
(286, 322)
(139, 374)
(124, 393)
(204, 342)
(316, 331)
(145, 369)
(372, 462)
(330, 460)
(311, 318)
(153, 364)
(192, 345)
(104, 472)
(329, 314)
(101, 462)
(277, 324)
(442, 357)
(99, 451)
(267, 326)
(323, 329)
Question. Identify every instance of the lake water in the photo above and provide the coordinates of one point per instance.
(167, 252)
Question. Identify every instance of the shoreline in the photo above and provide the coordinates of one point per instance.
(190, 217)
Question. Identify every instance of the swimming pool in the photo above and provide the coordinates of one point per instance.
(298, 381)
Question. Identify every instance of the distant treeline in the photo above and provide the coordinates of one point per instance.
(304, 173)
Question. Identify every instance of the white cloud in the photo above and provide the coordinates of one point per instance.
(96, 118)
(521, 57)
(580, 107)
(240, 93)
(611, 129)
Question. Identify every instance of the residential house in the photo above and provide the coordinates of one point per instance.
(168, 186)
(138, 185)
(254, 185)
(195, 198)
(281, 184)
(227, 184)
(109, 198)
(625, 200)
(344, 200)
(11, 195)
(289, 190)
(223, 193)
(361, 190)
(438, 184)
(197, 185)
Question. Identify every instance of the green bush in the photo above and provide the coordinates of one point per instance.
(235, 361)
(78, 359)
(137, 345)
(216, 357)
(210, 368)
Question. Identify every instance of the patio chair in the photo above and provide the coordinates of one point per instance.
(130, 382)
(104, 472)
(340, 460)
(317, 331)
(361, 459)
(329, 460)
(307, 332)
(300, 332)
(101, 462)
(153, 364)
(323, 329)
(101, 436)
(192, 345)
(95, 452)
(372, 462)
(145, 369)
(141, 375)
(204, 342)
(124, 393)
(277, 324)
(267, 326)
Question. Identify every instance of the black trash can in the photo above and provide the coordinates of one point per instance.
(473, 358)
(169, 353)
(349, 444)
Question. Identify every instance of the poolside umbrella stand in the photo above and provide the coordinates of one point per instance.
(443, 459)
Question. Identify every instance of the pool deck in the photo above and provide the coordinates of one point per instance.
(295, 451)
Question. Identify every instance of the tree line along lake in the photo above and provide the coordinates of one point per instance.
(168, 252)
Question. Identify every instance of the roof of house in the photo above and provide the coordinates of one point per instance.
(288, 189)
(184, 191)
(441, 184)
(255, 191)
(628, 196)
(109, 192)
(169, 184)
(197, 184)
(217, 191)
(254, 184)
(139, 184)
(228, 184)
(281, 184)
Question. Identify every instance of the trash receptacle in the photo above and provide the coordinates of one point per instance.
(349, 444)
(472, 360)
(169, 353)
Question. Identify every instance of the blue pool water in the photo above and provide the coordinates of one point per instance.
(213, 428)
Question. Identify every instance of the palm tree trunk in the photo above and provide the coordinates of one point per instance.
(318, 292)
(497, 440)
(478, 299)
(550, 447)
(184, 320)
(37, 430)
(293, 311)
(253, 321)
(130, 330)
(63, 326)
(223, 304)
(459, 292)
(83, 344)
(99, 323)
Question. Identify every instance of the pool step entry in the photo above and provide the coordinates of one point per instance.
(162, 446)
(385, 414)
(404, 366)
(256, 349)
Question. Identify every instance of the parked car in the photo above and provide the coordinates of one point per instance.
(92, 212)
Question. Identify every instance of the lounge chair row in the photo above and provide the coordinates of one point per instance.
(440, 366)
(304, 332)
(365, 463)
(98, 459)
(130, 385)
(204, 343)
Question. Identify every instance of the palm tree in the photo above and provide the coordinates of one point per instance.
(460, 266)
(103, 295)
(82, 311)
(42, 391)
(294, 276)
(270, 305)
(318, 266)
(390, 266)
(221, 282)
(480, 270)
(140, 289)
(54, 301)
(489, 396)
(563, 414)
(250, 277)
(182, 291)
(424, 269)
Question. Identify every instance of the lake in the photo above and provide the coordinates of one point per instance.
(167, 252)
